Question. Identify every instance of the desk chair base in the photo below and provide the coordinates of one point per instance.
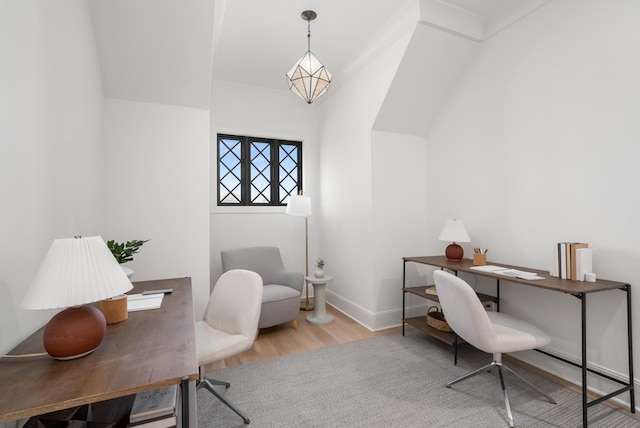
(497, 364)
(207, 383)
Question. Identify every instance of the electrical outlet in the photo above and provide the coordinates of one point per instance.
(489, 306)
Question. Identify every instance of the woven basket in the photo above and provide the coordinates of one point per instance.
(435, 319)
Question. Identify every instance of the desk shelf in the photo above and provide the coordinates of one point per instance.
(420, 323)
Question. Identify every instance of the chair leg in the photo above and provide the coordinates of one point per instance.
(473, 373)
(506, 397)
(294, 324)
(549, 399)
(207, 383)
(497, 363)
(218, 382)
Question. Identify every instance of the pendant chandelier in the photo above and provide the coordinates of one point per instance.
(308, 78)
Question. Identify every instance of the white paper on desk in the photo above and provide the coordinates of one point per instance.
(139, 302)
(488, 268)
(520, 274)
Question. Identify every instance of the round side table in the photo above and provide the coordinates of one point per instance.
(319, 315)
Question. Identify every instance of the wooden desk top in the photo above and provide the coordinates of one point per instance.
(151, 348)
(549, 282)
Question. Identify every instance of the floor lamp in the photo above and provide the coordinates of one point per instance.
(300, 206)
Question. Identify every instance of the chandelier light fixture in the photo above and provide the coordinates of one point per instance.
(308, 78)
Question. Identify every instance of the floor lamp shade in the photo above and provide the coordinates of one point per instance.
(299, 205)
(454, 231)
(75, 271)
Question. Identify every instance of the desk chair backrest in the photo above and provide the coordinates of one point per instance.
(464, 312)
(235, 303)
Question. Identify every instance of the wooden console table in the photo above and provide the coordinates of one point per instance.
(150, 349)
(579, 289)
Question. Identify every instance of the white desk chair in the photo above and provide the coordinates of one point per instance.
(229, 326)
(491, 332)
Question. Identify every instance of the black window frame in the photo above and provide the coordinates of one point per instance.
(245, 163)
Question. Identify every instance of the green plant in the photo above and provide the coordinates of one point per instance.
(123, 252)
(320, 264)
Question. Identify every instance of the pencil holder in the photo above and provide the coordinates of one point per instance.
(114, 309)
(479, 259)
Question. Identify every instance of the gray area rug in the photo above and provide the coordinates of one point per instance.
(390, 381)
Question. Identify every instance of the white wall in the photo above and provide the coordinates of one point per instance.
(430, 68)
(157, 188)
(539, 144)
(346, 234)
(255, 112)
(400, 214)
(50, 145)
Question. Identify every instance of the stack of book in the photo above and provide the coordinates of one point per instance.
(156, 408)
(571, 260)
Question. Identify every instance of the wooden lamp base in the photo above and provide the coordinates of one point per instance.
(454, 252)
(74, 332)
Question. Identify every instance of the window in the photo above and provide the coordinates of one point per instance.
(257, 171)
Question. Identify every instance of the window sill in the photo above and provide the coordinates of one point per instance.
(248, 210)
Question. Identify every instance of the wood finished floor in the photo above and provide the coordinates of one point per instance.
(284, 340)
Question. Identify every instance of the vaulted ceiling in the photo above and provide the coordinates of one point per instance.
(170, 51)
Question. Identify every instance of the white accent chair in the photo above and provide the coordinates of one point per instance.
(282, 288)
(491, 332)
(229, 325)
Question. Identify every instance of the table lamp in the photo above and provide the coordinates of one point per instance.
(454, 231)
(75, 271)
(300, 205)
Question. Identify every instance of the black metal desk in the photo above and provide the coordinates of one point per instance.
(579, 289)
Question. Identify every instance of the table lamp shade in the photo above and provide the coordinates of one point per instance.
(454, 231)
(74, 272)
(299, 205)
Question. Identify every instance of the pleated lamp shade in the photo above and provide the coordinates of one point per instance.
(75, 271)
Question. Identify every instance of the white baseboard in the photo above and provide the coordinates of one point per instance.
(373, 321)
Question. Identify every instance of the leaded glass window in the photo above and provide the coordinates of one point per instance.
(257, 171)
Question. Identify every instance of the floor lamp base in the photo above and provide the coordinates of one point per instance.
(307, 303)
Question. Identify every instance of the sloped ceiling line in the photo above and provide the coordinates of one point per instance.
(435, 58)
(173, 52)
